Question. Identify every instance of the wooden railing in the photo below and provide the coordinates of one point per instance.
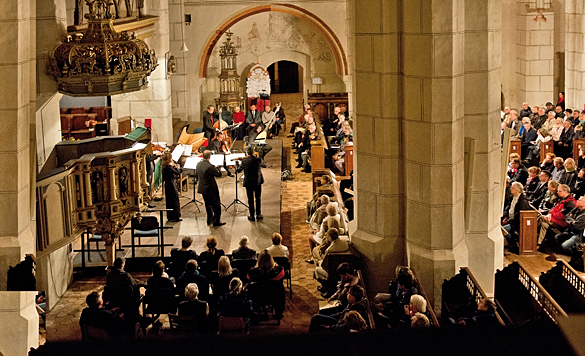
(431, 311)
(572, 277)
(476, 291)
(370, 321)
(538, 292)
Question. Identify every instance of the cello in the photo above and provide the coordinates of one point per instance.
(221, 126)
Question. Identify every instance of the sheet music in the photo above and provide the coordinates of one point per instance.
(188, 150)
(178, 152)
(191, 162)
(216, 160)
(229, 159)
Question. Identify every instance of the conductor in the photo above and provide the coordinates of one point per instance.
(206, 173)
(253, 179)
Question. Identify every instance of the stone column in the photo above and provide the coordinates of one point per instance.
(535, 55)
(483, 58)
(575, 50)
(19, 323)
(155, 102)
(17, 116)
(179, 80)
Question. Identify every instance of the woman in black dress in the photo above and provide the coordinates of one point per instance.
(170, 175)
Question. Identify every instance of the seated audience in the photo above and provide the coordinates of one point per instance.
(548, 162)
(208, 259)
(317, 238)
(391, 305)
(579, 186)
(581, 160)
(485, 315)
(221, 278)
(234, 304)
(550, 198)
(420, 321)
(96, 316)
(533, 181)
(266, 269)
(556, 216)
(354, 322)
(565, 144)
(179, 257)
(356, 301)
(520, 174)
(159, 279)
(320, 213)
(417, 304)
(243, 251)
(511, 220)
(194, 306)
(192, 275)
(573, 234)
(570, 174)
(533, 151)
(559, 171)
(334, 245)
(529, 136)
(277, 249)
(542, 187)
(345, 139)
(121, 289)
(347, 278)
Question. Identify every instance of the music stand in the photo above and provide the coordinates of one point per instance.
(236, 200)
(191, 163)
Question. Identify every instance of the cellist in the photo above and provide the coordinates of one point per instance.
(220, 145)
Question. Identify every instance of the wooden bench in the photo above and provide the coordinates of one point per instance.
(430, 310)
(577, 144)
(333, 191)
(520, 298)
(546, 147)
(369, 306)
(348, 159)
(318, 148)
(73, 125)
(459, 291)
(566, 286)
(516, 147)
(528, 233)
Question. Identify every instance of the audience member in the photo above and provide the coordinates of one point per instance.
(511, 220)
(194, 306)
(266, 269)
(243, 251)
(550, 198)
(556, 216)
(390, 306)
(548, 162)
(354, 322)
(539, 193)
(419, 321)
(221, 278)
(234, 305)
(208, 259)
(559, 171)
(121, 289)
(159, 279)
(179, 257)
(521, 173)
(356, 301)
(277, 249)
(112, 321)
(192, 275)
(573, 234)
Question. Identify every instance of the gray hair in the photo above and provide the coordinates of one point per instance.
(244, 241)
(519, 187)
(191, 291)
(419, 303)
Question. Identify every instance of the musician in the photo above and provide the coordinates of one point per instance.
(253, 180)
(253, 119)
(260, 146)
(280, 116)
(267, 116)
(220, 145)
(239, 118)
(207, 187)
(170, 174)
(210, 117)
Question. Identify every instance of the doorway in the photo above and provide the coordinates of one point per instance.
(285, 77)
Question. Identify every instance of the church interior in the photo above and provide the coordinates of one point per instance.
(180, 170)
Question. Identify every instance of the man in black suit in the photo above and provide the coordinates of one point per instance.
(207, 186)
(210, 117)
(253, 179)
(96, 316)
(253, 118)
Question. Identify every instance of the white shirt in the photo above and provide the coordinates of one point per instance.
(278, 251)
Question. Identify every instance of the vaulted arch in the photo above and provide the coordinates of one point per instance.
(314, 20)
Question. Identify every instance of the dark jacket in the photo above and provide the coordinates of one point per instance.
(531, 186)
(208, 121)
(179, 259)
(520, 176)
(538, 121)
(578, 189)
(243, 252)
(528, 136)
(538, 194)
(275, 274)
(521, 204)
(254, 118)
(196, 278)
(576, 221)
(567, 136)
(525, 113)
(251, 166)
(105, 319)
(569, 179)
(206, 173)
(199, 309)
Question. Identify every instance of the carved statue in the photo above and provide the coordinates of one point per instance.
(97, 186)
(172, 65)
(123, 181)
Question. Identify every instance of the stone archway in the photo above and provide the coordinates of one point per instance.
(314, 20)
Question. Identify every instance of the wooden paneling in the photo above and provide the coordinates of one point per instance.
(528, 232)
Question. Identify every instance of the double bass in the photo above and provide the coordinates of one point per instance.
(220, 126)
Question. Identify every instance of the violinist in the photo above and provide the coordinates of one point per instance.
(220, 145)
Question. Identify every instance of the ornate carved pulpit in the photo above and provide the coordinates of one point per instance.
(102, 185)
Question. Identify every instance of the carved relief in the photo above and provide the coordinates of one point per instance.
(123, 181)
(97, 186)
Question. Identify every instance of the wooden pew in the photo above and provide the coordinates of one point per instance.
(516, 147)
(547, 147)
(528, 233)
(318, 148)
(566, 286)
(459, 291)
(370, 314)
(73, 125)
(348, 159)
(430, 310)
(333, 191)
(520, 298)
(577, 144)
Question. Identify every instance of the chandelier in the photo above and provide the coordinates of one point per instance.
(101, 61)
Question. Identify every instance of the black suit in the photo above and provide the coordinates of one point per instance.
(253, 118)
(520, 176)
(207, 186)
(538, 194)
(253, 180)
(208, 121)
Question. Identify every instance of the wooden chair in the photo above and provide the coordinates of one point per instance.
(227, 323)
(183, 324)
(157, 302)
(244, 265)
(269, 295)
(285, 263)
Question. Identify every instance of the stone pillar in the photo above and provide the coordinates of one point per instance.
(535, 52)
(433, 62)
(17, 117)
(19, 323)
(575, 50)
(378, 141)
(155, 102)
(483, 58)
(509, 63)
(179, 80)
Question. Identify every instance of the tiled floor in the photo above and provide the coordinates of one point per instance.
(63, 320)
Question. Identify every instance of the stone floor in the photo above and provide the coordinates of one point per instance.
(63, 320)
